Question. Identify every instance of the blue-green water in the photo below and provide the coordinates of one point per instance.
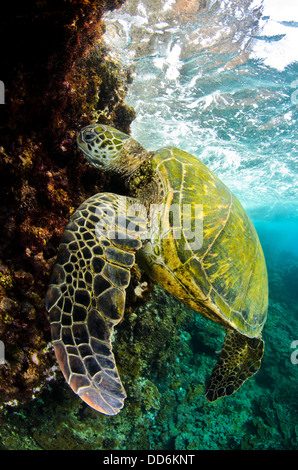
(279, 236)
(219, 83)
(220, 80)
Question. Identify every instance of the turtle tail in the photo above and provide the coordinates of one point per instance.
(240, 359)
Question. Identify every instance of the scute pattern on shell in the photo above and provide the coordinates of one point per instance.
(225, 278)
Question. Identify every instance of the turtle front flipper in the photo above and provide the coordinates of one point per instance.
(240, 358)
(86, 297)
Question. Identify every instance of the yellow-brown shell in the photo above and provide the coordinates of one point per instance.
(225, 278)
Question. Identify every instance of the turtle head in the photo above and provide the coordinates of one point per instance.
(101, 145)
(110, 150)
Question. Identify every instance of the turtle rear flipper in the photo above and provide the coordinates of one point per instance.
(86, 297)
(240, 358)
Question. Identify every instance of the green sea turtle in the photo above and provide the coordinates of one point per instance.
(192, 236)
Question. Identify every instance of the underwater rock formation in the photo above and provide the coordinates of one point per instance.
(58, 77)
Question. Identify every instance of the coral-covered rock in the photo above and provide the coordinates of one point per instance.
(58, 77)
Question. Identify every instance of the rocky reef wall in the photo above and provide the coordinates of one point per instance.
(58, 77)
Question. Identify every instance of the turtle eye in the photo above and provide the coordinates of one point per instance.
(88, 136)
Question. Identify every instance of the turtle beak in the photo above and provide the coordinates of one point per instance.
(81, 143)
(79, 139)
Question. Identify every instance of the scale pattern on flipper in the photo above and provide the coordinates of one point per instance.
(86, 297)
(240, 359)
